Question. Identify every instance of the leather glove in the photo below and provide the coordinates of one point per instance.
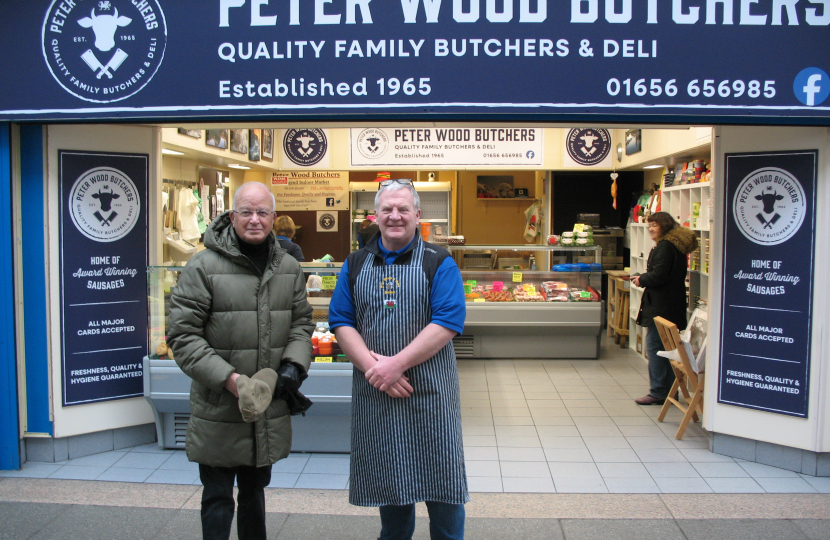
(290, 377)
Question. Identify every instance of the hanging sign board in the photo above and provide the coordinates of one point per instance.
(769, 247)
(305, 148)
(587, 147)
(620, 60)
(310, 190)
(103, 227)
(424, 146)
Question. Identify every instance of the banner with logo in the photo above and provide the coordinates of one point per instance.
(511, 146)
(616, 60)
(311, 190)
(588, 147)
(767, 303)
(305, 148)
(327, 221)
(103, 239)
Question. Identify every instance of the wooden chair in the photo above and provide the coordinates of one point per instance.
(686, 378)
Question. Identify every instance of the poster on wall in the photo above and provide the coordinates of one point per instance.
(766, 306)
(103, 249)
(423, 146)
(305, 148)
(310, 190)
(587, 147)
(327, 221)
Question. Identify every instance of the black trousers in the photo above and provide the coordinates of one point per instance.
(218, 505)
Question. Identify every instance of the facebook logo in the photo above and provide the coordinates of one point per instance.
(811, 86)
(329, 201)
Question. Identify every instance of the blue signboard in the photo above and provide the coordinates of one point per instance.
(103, 274)
(753, 60)
(766, 317)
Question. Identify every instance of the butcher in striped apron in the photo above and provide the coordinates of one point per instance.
(397, 305)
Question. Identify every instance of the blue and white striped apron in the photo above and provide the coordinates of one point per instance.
(404, 450)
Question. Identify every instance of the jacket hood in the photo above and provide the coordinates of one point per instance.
(682, 238)
(221, 237)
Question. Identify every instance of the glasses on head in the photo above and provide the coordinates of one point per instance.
(402, 181)
(247, 213)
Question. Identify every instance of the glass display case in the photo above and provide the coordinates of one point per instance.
(325, 426)
(516, 310)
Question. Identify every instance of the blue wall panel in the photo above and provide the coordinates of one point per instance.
(33, 207)
(9, 449)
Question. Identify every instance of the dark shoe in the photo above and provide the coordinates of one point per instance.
(649, 400)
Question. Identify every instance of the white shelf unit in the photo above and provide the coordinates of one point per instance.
(681, 202)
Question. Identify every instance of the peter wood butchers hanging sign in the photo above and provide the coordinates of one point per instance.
(208, 58)
(769, 246)
(103, 239)
(513, 146)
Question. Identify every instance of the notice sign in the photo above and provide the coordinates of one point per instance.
(311, 190)
(103, 225)
(769, 243)
(516, 147)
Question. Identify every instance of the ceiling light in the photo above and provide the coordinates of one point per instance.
(653, 167)
(235, 166)
(171, 152)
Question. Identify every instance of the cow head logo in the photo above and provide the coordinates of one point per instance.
(106, 53)
(104, 27)
(305, 147)
(372, 143)
(769, 206)
(588, 146)
(104, 204)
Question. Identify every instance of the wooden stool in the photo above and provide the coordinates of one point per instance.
(621, 306)
(686, 378)
(610, 300)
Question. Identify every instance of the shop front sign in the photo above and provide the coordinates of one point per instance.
(311, 190)
(103, 225)
(305, 148)
(587, 147)
(769, 248)
(444, 147)
(666, 59)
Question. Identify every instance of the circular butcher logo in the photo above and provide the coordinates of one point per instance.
(327, 221)
(305, 147)
(372, 143)
(104, 51)
(104, 204)
(588, 146)
(769, 206)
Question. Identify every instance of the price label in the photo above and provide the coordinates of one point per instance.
(498, 285)
(579, 227)
(531, 290)
(324, 359)
(472, 282)
(329, 282)
(517, 277)
(468, 288)
(584, 294)
(479, 300)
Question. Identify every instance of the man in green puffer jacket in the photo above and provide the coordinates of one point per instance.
(239, 307)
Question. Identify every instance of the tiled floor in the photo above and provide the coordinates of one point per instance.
(530, 426)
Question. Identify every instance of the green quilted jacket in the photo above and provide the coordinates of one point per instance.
(226, 317)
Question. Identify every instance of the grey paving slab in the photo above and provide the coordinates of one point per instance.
(672, 470)
(528, 485)
(758, 470)
(70, 472)
(814, 529)
(481, 453)
(481, 484)
(615, 455)
(142, 460)
(683, 485)
(573, 470)
(179, 462)
(617, 529)
(33, 470)
(486, 468)
(785, 485)
(741, 529)
(720, 470)
(821, 484)
(524, 469)
(22, 520)
(125, 475)
(322, 481)
(173, 476)
(185, 525)
(152, 448)
(631, 485)
(623, 470)
(734, 485)
(327, 465)
(106, 523)
(104, 459)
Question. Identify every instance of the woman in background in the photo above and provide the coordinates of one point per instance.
(284, 229)
(664, 296)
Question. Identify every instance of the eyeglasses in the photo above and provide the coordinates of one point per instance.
(402, 181)
(246, 213)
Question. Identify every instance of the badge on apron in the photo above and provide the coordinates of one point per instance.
(390, 287)
(390, 303)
